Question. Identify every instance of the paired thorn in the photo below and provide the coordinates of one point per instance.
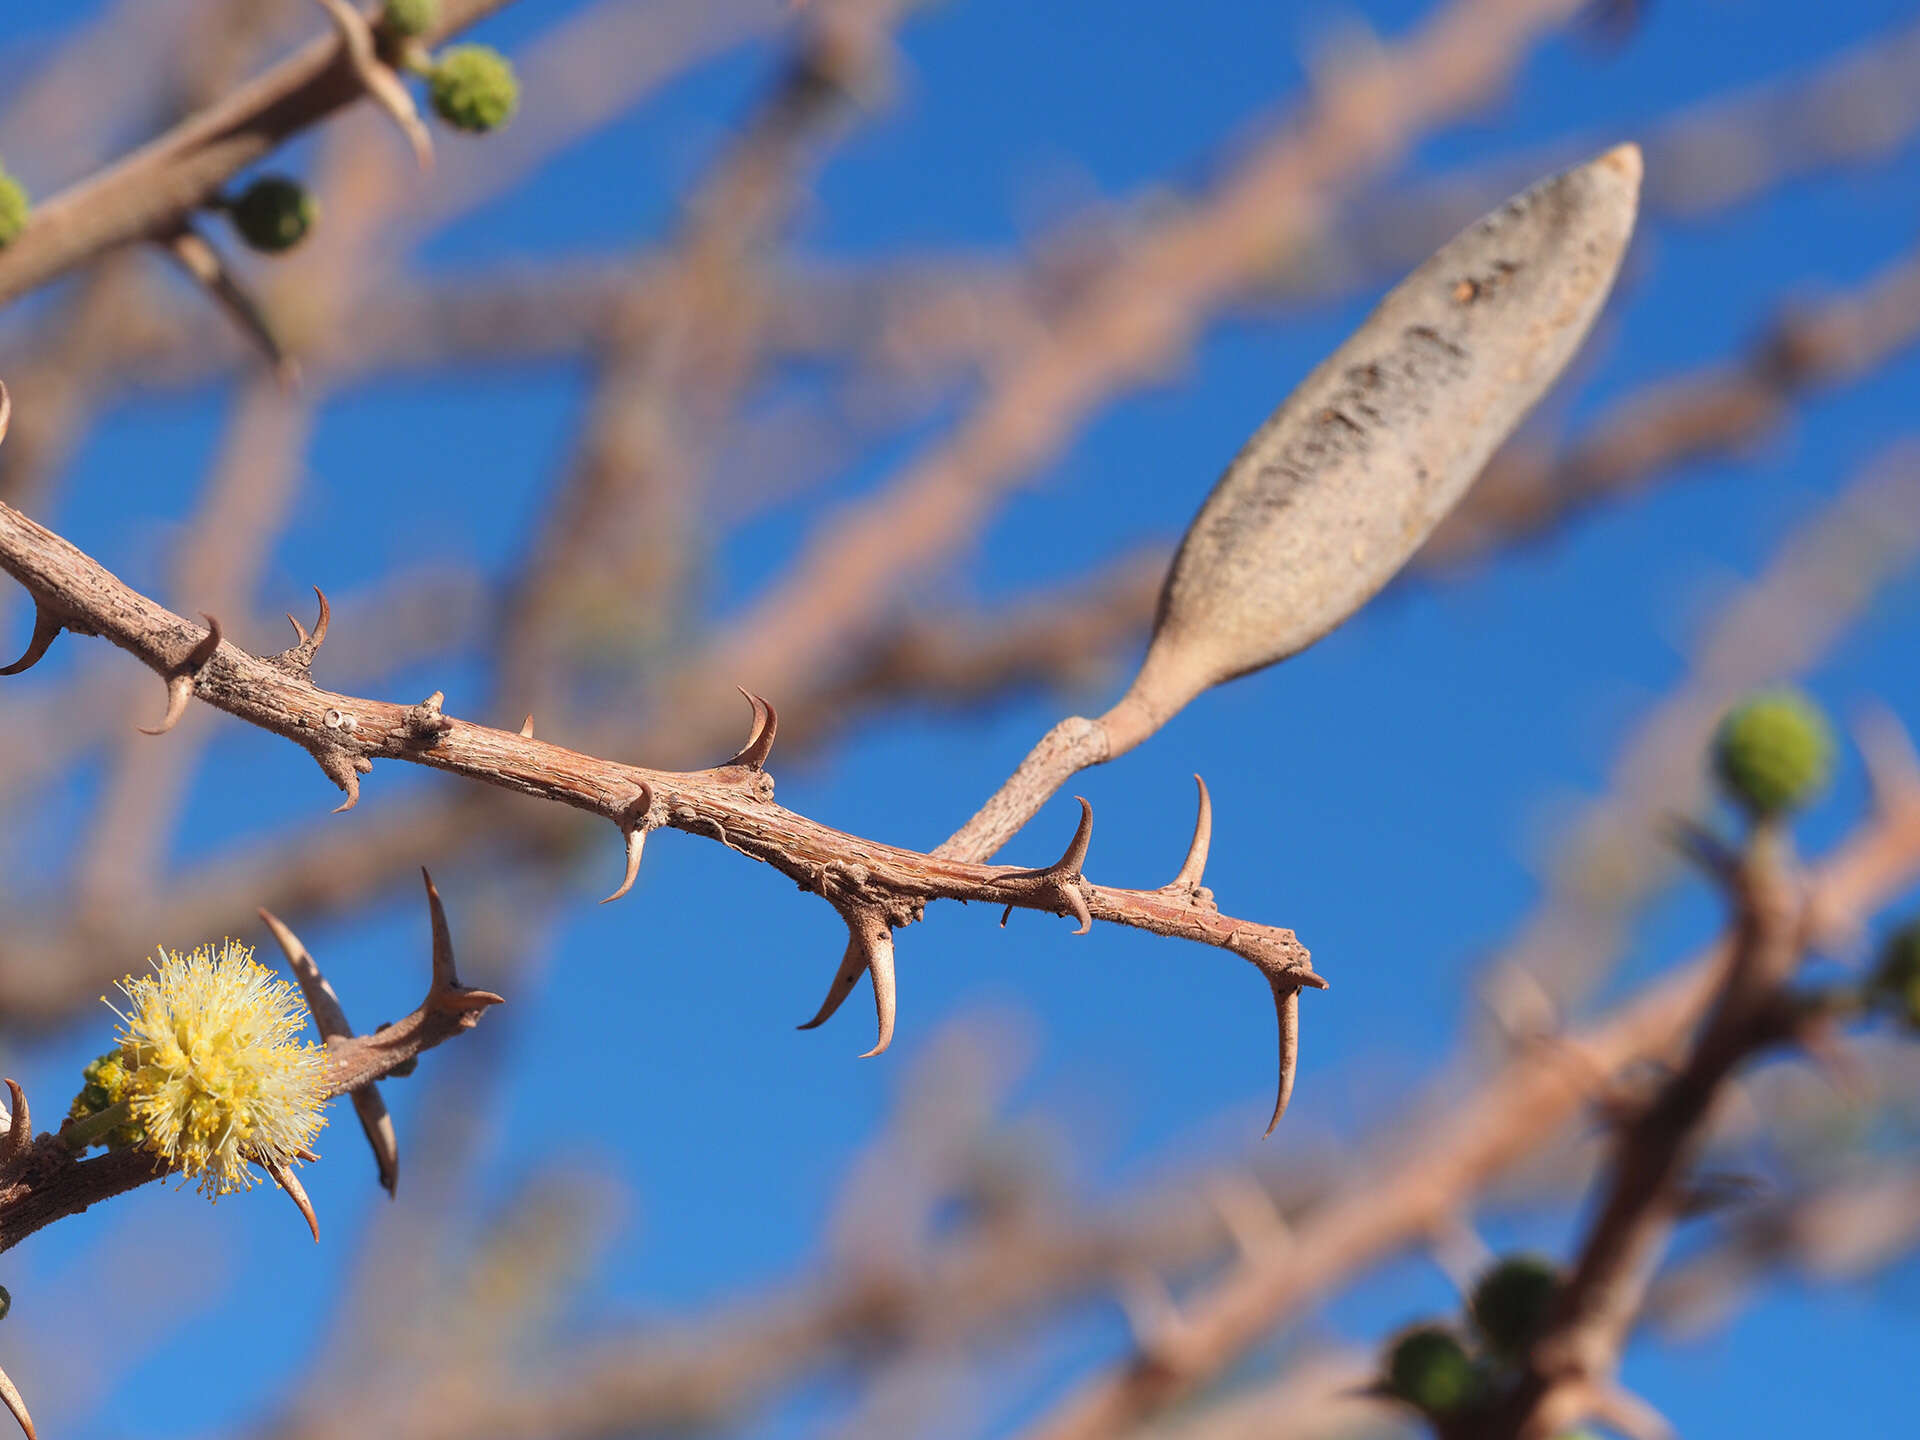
(46, 629)
(181, 677)
(1286, 1004)
(9, 1393)
(766, 724)
(284, 1177)
(1059, 883)
(303, 650)
(869, 949)
(379, 79)
(633, 825)
(19, 1125)
(330, 1019)
(1195, 865)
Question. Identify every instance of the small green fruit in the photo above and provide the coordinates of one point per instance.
(410, 17)
(1895, 986)
(1509, 1305)
(472, 87)
(274, 213)
(15, 209)
(1430, 1369)
(1773, 753)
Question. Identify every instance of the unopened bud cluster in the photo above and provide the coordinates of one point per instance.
(15, 208)
(1450, 1372)
(1773, 753)
(470, 87)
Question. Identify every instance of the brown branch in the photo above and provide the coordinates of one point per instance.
(346, 734)
(50, 1179)
(150, 191)
(1499, 1124)
(1572, 1364)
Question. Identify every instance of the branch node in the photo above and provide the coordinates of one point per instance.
(425, 725)
(298, 657)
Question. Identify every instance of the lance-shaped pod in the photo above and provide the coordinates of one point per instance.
(1350, 475)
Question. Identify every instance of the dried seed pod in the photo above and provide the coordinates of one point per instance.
(1344, 481)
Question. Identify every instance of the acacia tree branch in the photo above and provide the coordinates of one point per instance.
(876, 888)
(151, 190)
(1499, 1124)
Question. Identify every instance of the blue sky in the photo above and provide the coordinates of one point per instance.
(1383, 794)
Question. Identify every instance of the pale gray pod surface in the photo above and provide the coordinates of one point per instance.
(1350, 475)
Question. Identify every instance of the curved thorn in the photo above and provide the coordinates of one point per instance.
(299, 631)
(526, 726)
(284, 1177)
(377, 1124)
(326, 614)
(1286, 1004)
(378, 79)
(322, 1002)
(844, 979)
(6, 409)
(19, 1127)
(766, 724)
(204, 263)
(46, 630)
(636, 844)
(1077, 904)
(1195, 865)
(1076, 853)
(179, 692)
(876, 943)
(633, 824)
(180, 681)
(444, 977)
(8, 1392)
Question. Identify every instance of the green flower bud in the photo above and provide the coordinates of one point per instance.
(1895, 986)
(1430, 1369)
(1510, 1303)
(15, 209)
(472, 87)
(104, 1083)
(1773, 753)
(274, 213)
(410, 17)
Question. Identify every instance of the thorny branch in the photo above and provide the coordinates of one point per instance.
(1405, 1198)
(876, 888)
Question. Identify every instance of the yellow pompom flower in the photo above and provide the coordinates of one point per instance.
(216, 1072)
